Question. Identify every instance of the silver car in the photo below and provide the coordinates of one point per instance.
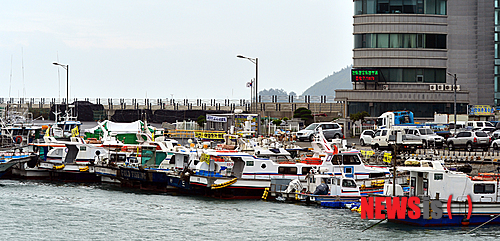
(330, 130)
(469, 140)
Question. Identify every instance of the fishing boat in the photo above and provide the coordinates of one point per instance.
(465, 200)
(10, 158)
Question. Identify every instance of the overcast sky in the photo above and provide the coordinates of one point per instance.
(160, 49)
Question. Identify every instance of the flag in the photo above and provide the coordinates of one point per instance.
(249, 84)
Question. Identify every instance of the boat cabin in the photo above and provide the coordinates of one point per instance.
(337, 186)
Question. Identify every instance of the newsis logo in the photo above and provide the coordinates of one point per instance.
(400, 207)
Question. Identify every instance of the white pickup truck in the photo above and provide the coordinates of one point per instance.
(386, 139)
(426, 136)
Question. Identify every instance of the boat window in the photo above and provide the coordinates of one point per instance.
(287, 170)
(438, 176)
(249, 163)
(83, 148)
(263, 166)
(337, 160)
(348, 183)
(484, 188)
(306, 170)
(351, 160)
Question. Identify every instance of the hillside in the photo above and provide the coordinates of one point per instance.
(327, 86)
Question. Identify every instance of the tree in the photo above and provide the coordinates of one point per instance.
(304, 114)
(277, 122)
(201, 121)
(359, 116)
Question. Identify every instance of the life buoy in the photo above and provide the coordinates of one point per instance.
(19, 139)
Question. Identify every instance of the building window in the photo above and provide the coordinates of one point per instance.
(400, 6)
(407, 40)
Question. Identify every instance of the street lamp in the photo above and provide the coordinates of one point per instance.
(66, 67)
(256, 89)
(455, 100)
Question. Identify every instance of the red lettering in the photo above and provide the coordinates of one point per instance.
(412, 204)
(379, 207)
(396, 207)
(366, 207)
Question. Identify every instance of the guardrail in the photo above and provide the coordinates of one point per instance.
(166, 101)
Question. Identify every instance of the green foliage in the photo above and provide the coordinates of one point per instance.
(277, 122)
(201, 121)
(359, 116)
(304, 114)
(285, 118)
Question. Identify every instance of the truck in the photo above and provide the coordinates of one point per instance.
(426, 135)
(387, 139)
(391, 118)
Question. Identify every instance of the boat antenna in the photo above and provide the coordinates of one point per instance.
(22, 66)
(10, 83)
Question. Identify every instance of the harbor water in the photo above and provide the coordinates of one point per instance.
(39, 210)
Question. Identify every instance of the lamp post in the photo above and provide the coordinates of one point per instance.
(66, 67)
(256, 89)
(455, 100)
(256, 62)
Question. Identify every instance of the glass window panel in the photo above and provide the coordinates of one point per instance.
(441, 41)
(396, 41)
(396, 75)
(371, 7)
(409, 75)
(420, 6)
(430, 6)
(383, 6)
(386, 75)
(396, 6)
(441, 7)
(440, 76)
(430, 41)
(383, 40)
(358, 40)
(410, 41)
(497, 12)
(371, 40)
(420, 40)
(429, 76)
(358, 7)
(410, 6)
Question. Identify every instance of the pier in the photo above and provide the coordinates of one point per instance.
(325, 107)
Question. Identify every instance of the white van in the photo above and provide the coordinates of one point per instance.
(478, 124)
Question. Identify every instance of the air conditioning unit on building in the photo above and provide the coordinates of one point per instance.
(385, 87)
(420, 78)
(457, 87)
(432, 87)
(448, 87)
(440, 87)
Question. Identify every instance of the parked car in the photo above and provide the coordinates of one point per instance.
(495, 135)
(495, 144)
(366, 137)
(330, 130)
(426, 135)
(469, 140)
(487, 130)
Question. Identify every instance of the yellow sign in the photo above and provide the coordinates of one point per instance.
(481, 110)
(387, 157)
(209, 135)
(205, 158)
(367, 154)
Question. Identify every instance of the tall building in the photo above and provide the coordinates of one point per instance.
(407, 53)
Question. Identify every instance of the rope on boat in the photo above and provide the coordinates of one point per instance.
(483, 224)
(374, 224)
(224, 184)
(84, 169)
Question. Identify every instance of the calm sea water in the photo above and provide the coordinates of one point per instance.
(37, 210)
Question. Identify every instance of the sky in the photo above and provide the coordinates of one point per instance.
(164, 49)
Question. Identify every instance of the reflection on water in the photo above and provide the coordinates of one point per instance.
(35, 210)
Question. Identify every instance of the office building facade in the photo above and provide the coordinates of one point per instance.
(407, 53)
